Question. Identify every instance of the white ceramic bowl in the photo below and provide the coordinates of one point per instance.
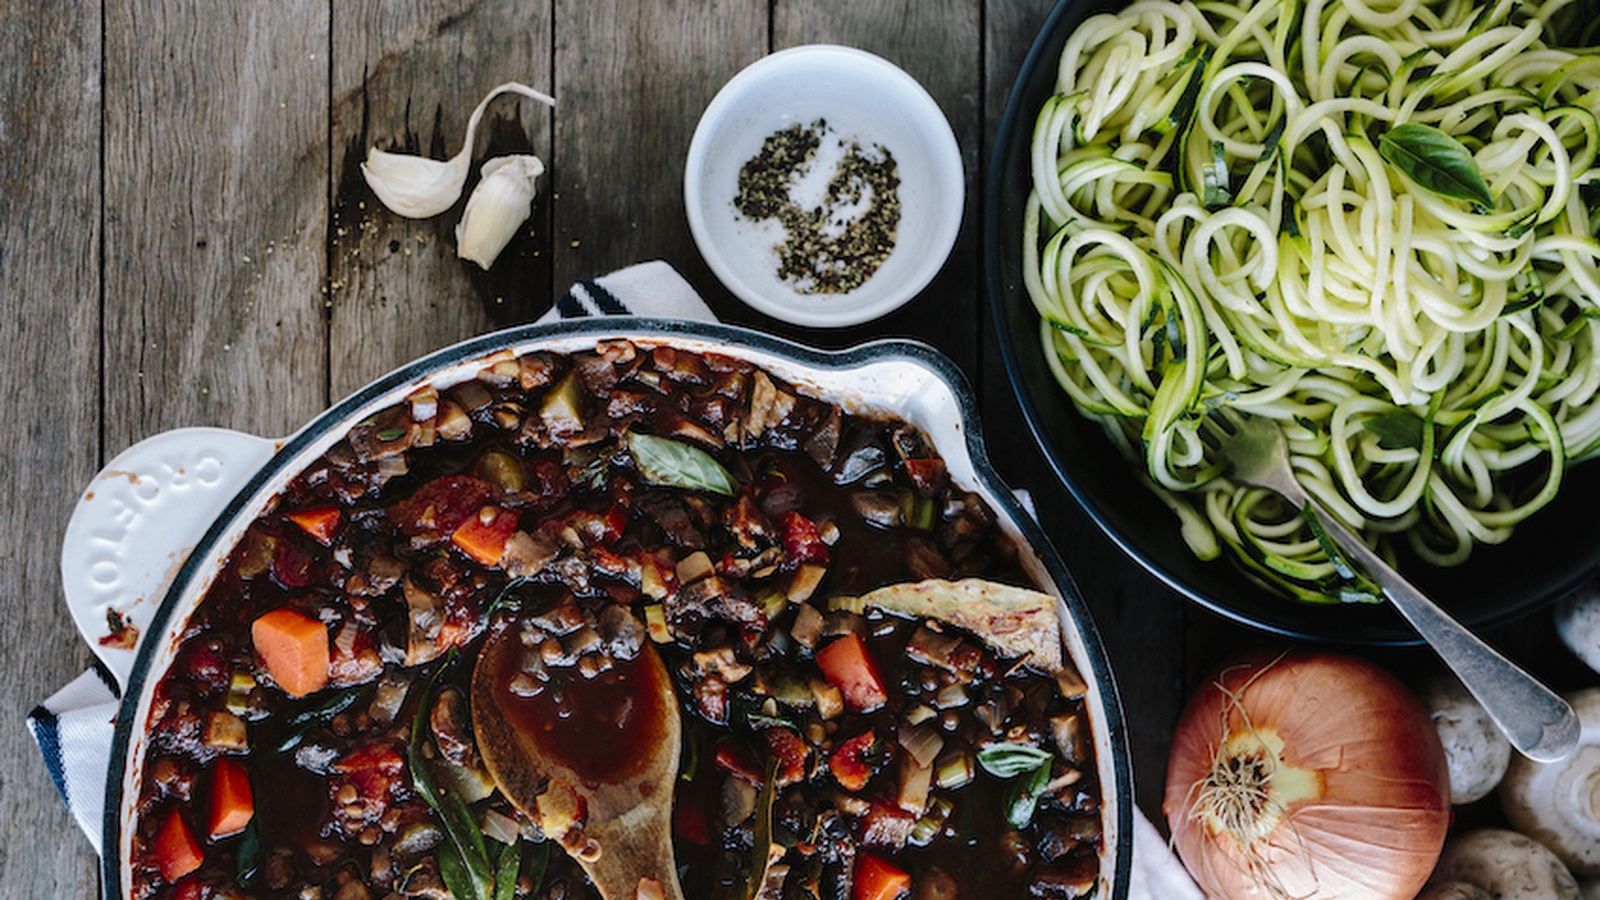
(863, 98)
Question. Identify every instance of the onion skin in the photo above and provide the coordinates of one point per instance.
(1361, 781)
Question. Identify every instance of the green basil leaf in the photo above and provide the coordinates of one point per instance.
(505, 872)
(247, 858)
(534, 864)
(1436, 162)
(1023, 798)
(1397, 430)
(1009, 760)
(672, 463)
(319, 711)
(761, 838)
(325, 707)
(464, 836)
(453, 871)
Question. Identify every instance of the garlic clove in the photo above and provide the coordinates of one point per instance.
(418, 187)
(499, 205)
(414, 186)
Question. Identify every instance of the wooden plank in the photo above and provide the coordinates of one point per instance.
(215, 180)
(632, 80)
(406, 77)
(49, 249)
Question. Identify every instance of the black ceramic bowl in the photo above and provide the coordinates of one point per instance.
(1550, 554)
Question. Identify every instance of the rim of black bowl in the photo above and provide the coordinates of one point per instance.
(1137, 522)
(1096, 660)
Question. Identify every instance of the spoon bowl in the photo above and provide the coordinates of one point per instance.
(598, 763)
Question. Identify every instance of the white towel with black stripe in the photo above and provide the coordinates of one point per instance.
(74, 728)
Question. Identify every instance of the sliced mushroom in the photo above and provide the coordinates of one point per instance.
(1475, 749)
(1578, 623)
(425, 615)
(1510, 866)
(452, 730)
(1558, 804)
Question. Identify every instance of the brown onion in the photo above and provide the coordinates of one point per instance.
(1307, 775)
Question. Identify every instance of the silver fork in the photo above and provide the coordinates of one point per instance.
(1540, 724)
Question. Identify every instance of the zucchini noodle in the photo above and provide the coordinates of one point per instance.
(1374, 223)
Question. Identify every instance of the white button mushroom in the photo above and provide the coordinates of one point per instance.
(1510, 866)
(1476, 751)
(1578, 623)
(1558, 804)
(1454, 890)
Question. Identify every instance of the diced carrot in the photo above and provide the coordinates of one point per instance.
(232, 804)
(849, 763)
(176, 850)
(848, 666)
(483, 536)
(878, 879)
(790, 750)
(294, 648)
(320, 522)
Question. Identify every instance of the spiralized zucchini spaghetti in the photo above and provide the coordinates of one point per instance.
(1374, 224)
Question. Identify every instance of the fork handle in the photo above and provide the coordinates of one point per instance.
(1540, 724)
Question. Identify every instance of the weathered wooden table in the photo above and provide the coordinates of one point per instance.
(185, 239)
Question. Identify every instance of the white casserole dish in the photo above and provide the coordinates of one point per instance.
(171, 509)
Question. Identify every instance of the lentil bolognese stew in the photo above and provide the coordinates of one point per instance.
(875, 704)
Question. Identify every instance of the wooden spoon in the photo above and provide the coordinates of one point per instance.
(617, 752)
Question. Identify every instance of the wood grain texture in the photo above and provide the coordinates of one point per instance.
(406, 77)
(216, 166)
(632, 80)
(50, 282)
(226, 265)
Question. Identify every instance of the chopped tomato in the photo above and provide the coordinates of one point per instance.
(791, 752)
(599, 529)
(440, 506)
(483, 536)
(376, 770)
(320, 522)
(878, 879)
(885, 825)
(610, 563)
(232, 805)
(848, 666)
(735, 759)
(849, 763)
(802, 541)
(176, 850)
(292, 565)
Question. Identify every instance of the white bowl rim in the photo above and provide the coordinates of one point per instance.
(1079, 632)
(943, 151)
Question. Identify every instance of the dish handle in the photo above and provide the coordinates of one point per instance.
(136, 523)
